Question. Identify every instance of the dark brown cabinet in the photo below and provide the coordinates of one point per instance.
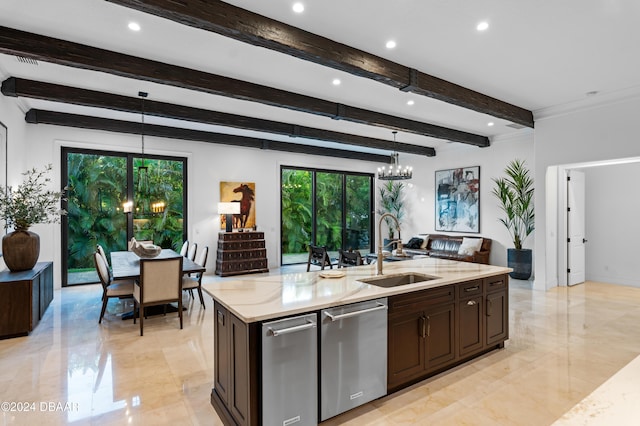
(235, 393)
(497, 308)
(420, 334)
(470, 317)
(432, 330)
(24, 298)
(241, 253)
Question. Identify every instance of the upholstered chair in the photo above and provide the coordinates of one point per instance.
(160, 284)
(195, 280)
(121, 289)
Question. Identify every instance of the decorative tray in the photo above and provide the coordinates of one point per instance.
(332, 274)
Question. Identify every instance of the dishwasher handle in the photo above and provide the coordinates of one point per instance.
(275, 332)
(333, 317)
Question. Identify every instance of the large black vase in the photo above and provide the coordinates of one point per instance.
(20, 250)
(520, 261)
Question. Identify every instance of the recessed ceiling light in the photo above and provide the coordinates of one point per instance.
(490, 123)
(134, 26)
(298, 7)
(482, 26)
(410, 102)
(336, 82)
(391, 44)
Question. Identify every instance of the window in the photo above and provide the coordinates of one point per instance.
(327, 208)
(98, 184)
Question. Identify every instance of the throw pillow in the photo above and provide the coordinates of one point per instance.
(469, 246)
(414, 243)
(425, 240)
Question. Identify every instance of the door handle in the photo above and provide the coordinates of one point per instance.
(423, 327)
(489, 307)
(471, 302)
(355, 313)
(584, 240)
(275, 332)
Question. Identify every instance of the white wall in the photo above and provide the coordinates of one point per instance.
(605, 131)
(612, 225)
(492, 161)
(17, 158)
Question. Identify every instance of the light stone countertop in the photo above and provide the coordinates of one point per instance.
(253, 298)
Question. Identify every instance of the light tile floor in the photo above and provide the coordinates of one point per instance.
(564, 344)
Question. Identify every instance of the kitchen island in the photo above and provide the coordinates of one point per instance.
(461, 313)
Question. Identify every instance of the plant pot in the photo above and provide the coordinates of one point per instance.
(20, 250)
(521, 262)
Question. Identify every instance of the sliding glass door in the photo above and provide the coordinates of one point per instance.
(327, 208)
(99, 183)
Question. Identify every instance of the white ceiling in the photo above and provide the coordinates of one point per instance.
(535, 54)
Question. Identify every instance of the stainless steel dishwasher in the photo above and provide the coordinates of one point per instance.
(290, 371)
(353, 356)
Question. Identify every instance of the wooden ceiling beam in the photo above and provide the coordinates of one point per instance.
(62, 52)
(36, 116)
(18, 87)
(249, 27)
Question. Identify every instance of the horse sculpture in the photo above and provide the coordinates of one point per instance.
(246, 202)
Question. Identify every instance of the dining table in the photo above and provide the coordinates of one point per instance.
(126, 265)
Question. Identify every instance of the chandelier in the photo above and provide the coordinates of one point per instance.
(395, 171)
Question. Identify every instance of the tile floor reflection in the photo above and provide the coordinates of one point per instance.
(564, 344)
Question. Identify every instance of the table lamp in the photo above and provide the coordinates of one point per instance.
(229, 209)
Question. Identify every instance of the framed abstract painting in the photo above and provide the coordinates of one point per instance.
(458, 200)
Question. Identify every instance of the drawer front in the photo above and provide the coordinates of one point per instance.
(242, 254)
(469, 289)
(419, 299)
(496, 283)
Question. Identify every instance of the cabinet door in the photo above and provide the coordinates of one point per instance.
(222, 352)
(440, 336)
(470, 326)
(46, 289)
(496, 318)
(406, 349)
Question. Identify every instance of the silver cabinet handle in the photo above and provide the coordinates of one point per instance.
(355, 313)
(471, 302)
(308, 325)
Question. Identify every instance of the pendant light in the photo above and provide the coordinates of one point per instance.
(395, 171)
(143, 171)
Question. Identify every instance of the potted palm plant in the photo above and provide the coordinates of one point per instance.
(29, 204)
(515, 194)
(391, 201)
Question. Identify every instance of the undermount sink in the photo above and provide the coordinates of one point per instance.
(398, 279)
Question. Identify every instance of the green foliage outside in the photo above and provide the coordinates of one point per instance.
(329, 210)
(298, 215)
(296, 210)
(96, 191)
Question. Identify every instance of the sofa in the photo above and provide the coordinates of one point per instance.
(462, 248)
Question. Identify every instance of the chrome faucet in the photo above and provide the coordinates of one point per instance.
(380, 246)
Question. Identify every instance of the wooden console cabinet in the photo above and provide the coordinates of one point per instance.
(24, 298)
(241, 253)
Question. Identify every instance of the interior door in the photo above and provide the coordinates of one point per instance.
(575, 227)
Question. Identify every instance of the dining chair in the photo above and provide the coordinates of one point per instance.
(349, 258)
(100, 250)
(185, 248)
(121, 289)
(318, 256)
(191, 253)
(160, 283)
(195, 281)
